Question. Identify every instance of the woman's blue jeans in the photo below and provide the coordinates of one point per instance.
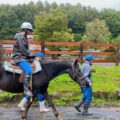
(26, 67)
(87, 94)
(39, 96)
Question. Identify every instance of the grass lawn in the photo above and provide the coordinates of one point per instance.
(106, 81)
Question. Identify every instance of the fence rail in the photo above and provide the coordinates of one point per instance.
(66, 44)
(80, 52)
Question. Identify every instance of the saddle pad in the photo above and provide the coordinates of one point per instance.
(7, 67)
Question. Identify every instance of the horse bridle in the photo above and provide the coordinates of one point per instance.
(75, 73)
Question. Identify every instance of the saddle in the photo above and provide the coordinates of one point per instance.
(12, 67)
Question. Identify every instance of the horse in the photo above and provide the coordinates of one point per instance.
(40, 81)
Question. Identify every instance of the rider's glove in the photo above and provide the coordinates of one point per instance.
(40, 54)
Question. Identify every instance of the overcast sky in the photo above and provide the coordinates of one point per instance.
(99, 4)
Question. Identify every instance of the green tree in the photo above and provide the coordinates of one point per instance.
(77, 37)
(49, 25)
(47, 6)
(39, 6)
(54, 5)
(112, 19)
(11, 18)
(97, 32)
(116, 40)
(78, 16)
(60, 36)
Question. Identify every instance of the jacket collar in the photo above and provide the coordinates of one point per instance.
(88, 62)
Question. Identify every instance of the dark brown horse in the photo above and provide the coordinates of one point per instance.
(9, 81)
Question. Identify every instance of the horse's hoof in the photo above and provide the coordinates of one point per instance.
(59, 117)
(23, 115)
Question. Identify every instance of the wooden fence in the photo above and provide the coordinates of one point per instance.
(80, 52)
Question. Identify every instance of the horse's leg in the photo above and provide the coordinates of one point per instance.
(56, 113)
(24, 113)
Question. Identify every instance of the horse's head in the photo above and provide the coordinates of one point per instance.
(75, 72)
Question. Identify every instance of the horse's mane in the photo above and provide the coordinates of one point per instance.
(55, 62)
(58, 66)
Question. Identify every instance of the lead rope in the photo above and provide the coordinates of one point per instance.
(31, 84)
(31, 98)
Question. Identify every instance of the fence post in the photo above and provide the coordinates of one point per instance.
(117, 55)
(81, 53)
(43, 47)
(1, 51)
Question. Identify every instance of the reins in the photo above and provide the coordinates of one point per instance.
(75, 74)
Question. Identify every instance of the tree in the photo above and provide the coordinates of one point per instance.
(49, 26)
(39, 6)
(97, 32)
(112, 19)
(116, 40)
(60, 36)
(78, 16)
(77, 37)
(11, 18)
(54, 5)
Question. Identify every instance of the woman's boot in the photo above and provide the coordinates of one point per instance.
(22, 104)
(42, 107)
(85, 109)
(78, 105)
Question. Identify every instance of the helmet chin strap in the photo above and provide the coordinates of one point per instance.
(26, 32)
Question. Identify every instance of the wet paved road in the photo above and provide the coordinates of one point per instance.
(68, 113)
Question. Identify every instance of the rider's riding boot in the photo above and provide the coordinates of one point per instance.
(85, 109)
(78, 105)
(42, 107)
(26, 86)
(22, 104)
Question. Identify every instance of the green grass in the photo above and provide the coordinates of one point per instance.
(106, 78)
(106, 81)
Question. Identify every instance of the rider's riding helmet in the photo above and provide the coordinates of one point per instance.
(89, 57)
(27, 25)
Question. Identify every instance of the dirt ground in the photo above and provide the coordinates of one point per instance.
(68, 113)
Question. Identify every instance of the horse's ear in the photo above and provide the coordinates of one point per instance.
(76, 62)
